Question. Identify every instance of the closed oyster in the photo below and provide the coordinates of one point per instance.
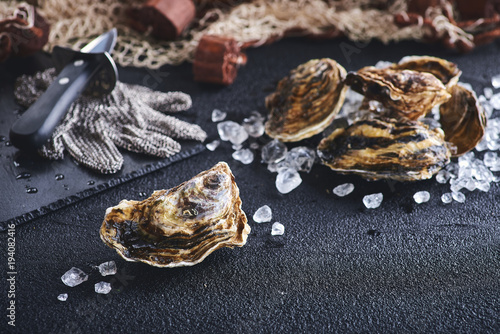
(410, 93)
(180, 226)
(442, 69)
(386, 148)
(463, 119)
(306, 101)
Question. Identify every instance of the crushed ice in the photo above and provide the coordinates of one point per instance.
(102, 288)
(74, 276)
(277, 229)
(62, 297)
(263, 214)
(107, 268)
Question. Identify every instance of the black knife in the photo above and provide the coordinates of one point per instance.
(90, 70)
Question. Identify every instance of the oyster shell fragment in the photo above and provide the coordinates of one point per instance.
(182, 225)
(386, 148)
(463, 119)
(306, 101)
(410, 93)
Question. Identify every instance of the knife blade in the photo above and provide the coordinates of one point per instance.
(83, 68)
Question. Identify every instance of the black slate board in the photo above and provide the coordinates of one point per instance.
(29, 184)
(339, 267)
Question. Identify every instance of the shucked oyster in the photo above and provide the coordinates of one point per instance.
(182, 225)
(463, 119)
(386, 148)
(410, 93)
(306, 101)
(442, 69)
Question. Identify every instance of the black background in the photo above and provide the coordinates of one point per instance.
(339, 267)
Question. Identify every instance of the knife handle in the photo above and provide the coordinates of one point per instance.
(36, 124)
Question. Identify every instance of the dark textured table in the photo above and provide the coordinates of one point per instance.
(339, 267)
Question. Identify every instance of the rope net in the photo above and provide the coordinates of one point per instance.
(74, 23)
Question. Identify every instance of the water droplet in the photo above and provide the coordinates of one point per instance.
(59, 177)
(91, 182)
(2, 138)
(8, 143)
(31, 190)
(24, 175)
(16, 164)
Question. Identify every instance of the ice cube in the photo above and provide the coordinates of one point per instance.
(446, 198)
(287, 180)
(277, 229)
(218, 115)
(495, 101)
(495, 81)
(213, 145)
(343, 189)
(107, 268)
(273, 151)
(62, 297)
(458, 196)
(254, 125)
(301, 158)
(373, 201)
(245, 156)
(232, 131)
(102, 288)
(421, 196)
(263, 214)
(74, 276)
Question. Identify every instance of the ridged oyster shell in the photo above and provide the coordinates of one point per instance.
(410, 93)
(386, 148)
(306, 101)
(444, 70)
(182, 225)
(463, 119)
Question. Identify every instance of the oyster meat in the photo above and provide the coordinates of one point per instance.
(182, 225)
(410, 93)
(463, 119)
(444, 70)
(386, 148)
(306, 101)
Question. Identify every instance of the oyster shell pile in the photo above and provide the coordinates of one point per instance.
(306, 101)
(182, 225)
(393, 141)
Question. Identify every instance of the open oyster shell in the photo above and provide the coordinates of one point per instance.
(463, 119)
(444, 70)
(306, 101)
(410, 93)
(182, 225)
(386, 148)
